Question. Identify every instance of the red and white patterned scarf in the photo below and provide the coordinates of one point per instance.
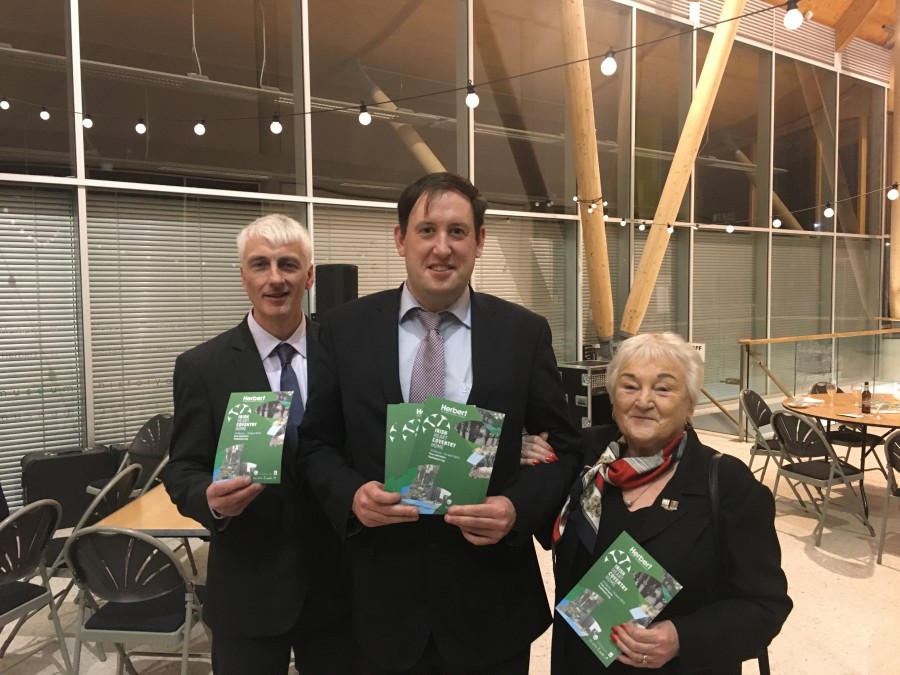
(624, 472)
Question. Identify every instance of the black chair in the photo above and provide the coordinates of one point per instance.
(847, 435)
(892, 464)
(23, 541)
(809, 460)
(140, 590)
(149, 450)
(760, 416)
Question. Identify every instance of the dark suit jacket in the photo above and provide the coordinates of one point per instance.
(733, 601)
(260, 561)
(481, 603)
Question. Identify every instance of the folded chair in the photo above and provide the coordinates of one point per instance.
(760, 416)
(892, 464)
(149, 449)
(139, 588)
(808, 459)
(23, 540)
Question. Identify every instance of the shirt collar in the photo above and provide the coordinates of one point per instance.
(266, 342)
(461, 309)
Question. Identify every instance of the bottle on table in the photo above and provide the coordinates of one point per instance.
(866, 400)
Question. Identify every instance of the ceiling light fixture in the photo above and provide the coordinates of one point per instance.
(793, 18)
(609, 66)
(472, 99)
(365, 118)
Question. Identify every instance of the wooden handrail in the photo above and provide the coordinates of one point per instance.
(821, 336)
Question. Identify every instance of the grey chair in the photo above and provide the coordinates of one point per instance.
(765, 443)
(808, 459)
(847, 435)
(149, 449)
(139, 588)
(24, 537)
(892, 464)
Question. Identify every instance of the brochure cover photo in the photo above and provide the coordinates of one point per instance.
(625, 584)
(252, 436)
(439, 453)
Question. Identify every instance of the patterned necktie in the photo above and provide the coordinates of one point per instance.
(289, 382)
(428, 369)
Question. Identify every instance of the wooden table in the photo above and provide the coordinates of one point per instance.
(155, 514)
(844, 404)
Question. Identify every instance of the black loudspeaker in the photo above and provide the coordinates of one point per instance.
(335, 285)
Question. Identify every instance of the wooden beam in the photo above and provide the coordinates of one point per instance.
(587, 164)
(682, 166)
(848, 25)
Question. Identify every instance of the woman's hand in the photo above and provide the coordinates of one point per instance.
(650, 647)
(536, 450)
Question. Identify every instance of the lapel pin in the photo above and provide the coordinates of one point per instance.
(669, 504)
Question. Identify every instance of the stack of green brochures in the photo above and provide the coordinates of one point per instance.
(440, 453)
(252, 436)
(625, 584)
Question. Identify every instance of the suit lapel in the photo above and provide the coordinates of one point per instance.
(487, 350)
(690, 480)
(385, 326)
(248, 366)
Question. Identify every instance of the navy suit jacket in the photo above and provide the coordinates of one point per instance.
(261, 561)
(482, 604)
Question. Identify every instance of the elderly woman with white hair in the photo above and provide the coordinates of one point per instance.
(649, 475)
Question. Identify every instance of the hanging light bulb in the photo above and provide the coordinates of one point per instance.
(87, 122)
(605, 203)
(829, 211)
(893, 193)
(776, 223)
(575, 199)
(140, 127)
(622, 224)
(591, 208)
(275, 127)
(670, 229)
(472, 99)
(793, 18)
(45, 114)
(200, 128)
(642, 227)
(694, 11)
(365, 118)
(729, 228)
(4, 104)
(608, 66)
(605, 217)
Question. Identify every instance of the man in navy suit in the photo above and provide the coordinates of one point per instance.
(461, 593)
(275, 574)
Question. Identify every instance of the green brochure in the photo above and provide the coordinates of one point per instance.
(252, 436)
(625, 584)
(445, 459)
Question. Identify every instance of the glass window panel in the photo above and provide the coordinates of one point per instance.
(41, 385)
(732, 168)
(804, 143)
(860, 200)
(33, 63)
(662, 97)
(668, 306)
(366, 51)
(164, 276)
(856, 291)
(522, 122)
(230, 63)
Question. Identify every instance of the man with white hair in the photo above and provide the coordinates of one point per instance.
(275, 573)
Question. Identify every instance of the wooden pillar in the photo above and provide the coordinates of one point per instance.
(682, 166)
(894, 303)
(587, 165)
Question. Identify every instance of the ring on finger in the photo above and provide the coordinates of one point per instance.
(644, 659)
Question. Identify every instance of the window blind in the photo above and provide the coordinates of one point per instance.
(164, 276)
(41, 387)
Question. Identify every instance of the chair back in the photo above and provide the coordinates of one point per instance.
(114, 495)
(758, 411)
(820, 388)
(892, 461)
(122, 565)
(24, 537)
(800, 437)
(150, 447)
